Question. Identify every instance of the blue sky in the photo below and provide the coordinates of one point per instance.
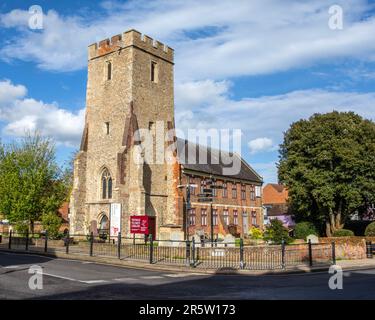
(253, 65)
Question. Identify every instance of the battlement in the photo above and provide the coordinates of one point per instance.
(127, 39)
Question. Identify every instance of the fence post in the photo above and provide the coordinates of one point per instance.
(151, 249)
(27, 241)
(119, 245)
(241, 254)
(67, 241)
(333, 252)
(91, 244)
(283, 254)
(46, 242)
(193, 253)
(187, 252)
(369, 250)
(310, 254)
(10, 240)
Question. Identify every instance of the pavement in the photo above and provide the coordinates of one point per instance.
(79, 279)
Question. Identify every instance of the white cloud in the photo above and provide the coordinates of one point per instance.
(22, 114)
(266, 116)
(260, 144)
(268, 171)
(213, 39)
(10, 92)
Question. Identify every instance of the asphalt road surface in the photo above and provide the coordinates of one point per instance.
(70, 279)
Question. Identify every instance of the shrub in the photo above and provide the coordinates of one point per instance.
(51, 223)
(276, 232)
(370, 230)
(255, 233)
(303, 229)
(343, 233)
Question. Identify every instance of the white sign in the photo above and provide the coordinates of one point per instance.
(115, 220)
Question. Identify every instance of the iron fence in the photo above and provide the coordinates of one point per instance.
(209, 255)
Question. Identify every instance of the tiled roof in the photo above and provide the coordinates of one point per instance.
(216, 162)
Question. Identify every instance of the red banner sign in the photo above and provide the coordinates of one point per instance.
(140, 224)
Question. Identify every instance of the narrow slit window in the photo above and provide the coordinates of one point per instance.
(107, 127)
(154, 71)
(109, 70)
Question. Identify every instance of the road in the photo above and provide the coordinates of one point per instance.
(70, 279)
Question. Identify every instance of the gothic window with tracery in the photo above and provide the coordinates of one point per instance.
(106, 185)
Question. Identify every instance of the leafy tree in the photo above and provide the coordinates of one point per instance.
(276, 232)
(328, 165)
(51, 223)
(370, 230)
(31, 183)
(303, 229)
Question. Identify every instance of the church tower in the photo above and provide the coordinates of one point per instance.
(129, 88)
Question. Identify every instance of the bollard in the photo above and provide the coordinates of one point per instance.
(333, 253)
(10, 240)
(119, 245)
(242, 265)
(310, 254)
(151, 249)
(91, 244)
(283, 254)
(46, 242)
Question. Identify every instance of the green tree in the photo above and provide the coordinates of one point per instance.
(276, 232)
(328, 165)
(51, 223)
(31, 183)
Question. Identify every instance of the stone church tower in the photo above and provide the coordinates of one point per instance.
(129, 87)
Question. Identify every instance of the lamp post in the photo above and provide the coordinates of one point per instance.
(187, 206)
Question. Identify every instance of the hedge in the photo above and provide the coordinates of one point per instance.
(343, 233)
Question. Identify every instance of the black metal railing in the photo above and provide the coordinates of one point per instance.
(209, 255)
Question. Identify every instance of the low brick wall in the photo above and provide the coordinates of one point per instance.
(349, 247)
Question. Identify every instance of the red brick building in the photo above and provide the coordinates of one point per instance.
(275, 200)
(235, 208)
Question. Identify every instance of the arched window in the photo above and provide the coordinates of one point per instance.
(106, 182)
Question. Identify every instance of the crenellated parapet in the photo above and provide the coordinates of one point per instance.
(128, 39)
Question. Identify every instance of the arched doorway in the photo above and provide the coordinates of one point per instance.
(103, 226)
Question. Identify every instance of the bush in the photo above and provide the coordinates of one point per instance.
(276, 232)
(370, 230)
(343, 233)
(255, 233)
(303, 229)
(51, 223)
